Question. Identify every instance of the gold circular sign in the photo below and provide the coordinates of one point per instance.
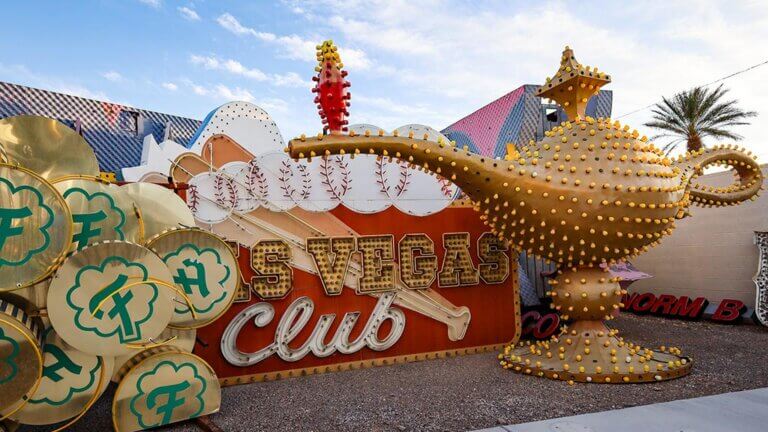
(111, 298)
(31, 299)
(164, 385)
(204, 267)
(72, 380)
(21, 359)
(46, 146)
(9, 426)
(100, 211)
(35, 228)
(181, 339)
(160, 207)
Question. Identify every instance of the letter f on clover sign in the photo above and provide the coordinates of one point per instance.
(168, 393)
(113, 312)
(24, 229)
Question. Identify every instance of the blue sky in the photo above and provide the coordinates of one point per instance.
(429, 62)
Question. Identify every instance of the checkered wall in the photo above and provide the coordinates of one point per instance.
(517, 117)
(116, 132)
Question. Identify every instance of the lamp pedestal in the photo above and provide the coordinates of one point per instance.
(587, 350)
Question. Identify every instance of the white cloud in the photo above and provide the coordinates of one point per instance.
(388, 113)
(292, 46)
(290, 79)
(230, 94)
(199, 90)
(113, 76)
(196, 89)
(223, 93)
(230, 23)
(231, 66)
(79, 90)
(386, 37)
(237, 68)
(274, 105)
(389, 105)
(152, 3)
(170, 86)
(297, 7)
(355, 59)
(188, 14)
(468, 54)
(295, 47)
(22, 75)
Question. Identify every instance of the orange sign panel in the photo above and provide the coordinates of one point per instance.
(394, 288)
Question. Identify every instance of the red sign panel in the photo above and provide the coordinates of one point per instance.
(307, 326)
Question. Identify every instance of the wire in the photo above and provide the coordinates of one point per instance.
(755, 66)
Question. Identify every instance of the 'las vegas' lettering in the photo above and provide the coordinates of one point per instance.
(417, 265)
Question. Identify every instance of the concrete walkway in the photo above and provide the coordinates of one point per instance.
(744, 411)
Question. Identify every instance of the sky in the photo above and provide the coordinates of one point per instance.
(429, 62)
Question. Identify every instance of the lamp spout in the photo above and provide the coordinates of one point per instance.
(471, 172)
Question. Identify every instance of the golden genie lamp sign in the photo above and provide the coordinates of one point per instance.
(591, 193)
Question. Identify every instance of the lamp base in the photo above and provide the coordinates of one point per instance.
(588, 351)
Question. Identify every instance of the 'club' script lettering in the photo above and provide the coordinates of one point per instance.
(296, 318)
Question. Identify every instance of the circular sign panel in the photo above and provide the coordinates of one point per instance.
(100, 211)
(31, 299)
(111, 298)
(160, 207)
(286, 183)
(368, 186)
(35, 228)
(328, 181)
(211, 196)
(71, 381)
(21, 359)
(171, 337)
(164, 385)
(204, 267)
(47, 147)
(245, 180)
(9, 426)
(424, 193)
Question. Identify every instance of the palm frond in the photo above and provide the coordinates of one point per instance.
(666, 126)
(697, 113)
(670, 147)
(719, 134)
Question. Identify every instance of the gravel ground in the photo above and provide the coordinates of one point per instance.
(474, 392)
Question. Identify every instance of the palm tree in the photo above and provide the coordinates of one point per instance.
(695, 114)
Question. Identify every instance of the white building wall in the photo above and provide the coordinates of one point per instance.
(710, 254)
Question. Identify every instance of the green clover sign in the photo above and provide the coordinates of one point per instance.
(19, 241)
(160, 391)
(103, 216)
(201, 274)
(8, 366)
(112, 311)
(65, 375)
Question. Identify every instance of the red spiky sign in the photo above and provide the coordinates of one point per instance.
(331, 87)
